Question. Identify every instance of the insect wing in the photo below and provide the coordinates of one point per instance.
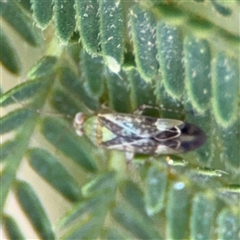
(152, 146)
(142, 134)
(129, 125)
(142, 145)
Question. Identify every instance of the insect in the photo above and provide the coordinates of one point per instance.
(134, 133)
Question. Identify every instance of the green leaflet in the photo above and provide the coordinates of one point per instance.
(88, 230)
(229, 139)
(74, 51)
(141, 91)
(155, 188)
(118, 92)
(41, 72)
(202, 217)
(170, 55)
(7, 177)
(88, 24)
(73, 84)
(198, 66)
(228, 225)
(11, 228)
(13, 159)
(15, 119)
(113, 233)
(44, 67)
(133, 195)
(42, 12)
(230, 195)
(22, 92)
(78, 149)
(63, 103)
(83, 208)
(52, 171)
(20, 22)
(142, 30)
(225, 90)
(177, 211)
(101, 191)
(26, 4)
(92, 72)
(112, 33)
(34, 210)
(139, 226)
(133, 217)
(9, 57)
(104, 183)
(220, 8)
(64, 16)
(6, 149)
(201, 26)
(95, 205)
(170, 107)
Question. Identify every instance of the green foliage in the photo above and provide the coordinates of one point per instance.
(12, 228)
(122, 54)
(64, 16)
(33, 208)
(198, 78)
(8, 57)
(42, 12)
(44, 163)
(225, 80)
(21, 22)
(155, 189)
(143, 34)
(178, 210)
(202, 205)
(170, 54)
(87, 17)
(112, 33)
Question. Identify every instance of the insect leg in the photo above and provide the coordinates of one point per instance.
(149, 110)
(129, 157)
(141, 109)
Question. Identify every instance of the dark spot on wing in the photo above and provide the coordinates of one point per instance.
(164, 135)
(173, 144)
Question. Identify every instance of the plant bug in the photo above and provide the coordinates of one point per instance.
(134, 133)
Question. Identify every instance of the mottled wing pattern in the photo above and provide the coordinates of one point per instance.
(149, 135)
(142, 145)
(129, 125)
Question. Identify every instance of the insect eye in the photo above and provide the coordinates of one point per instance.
(78, 123)
(79, 118)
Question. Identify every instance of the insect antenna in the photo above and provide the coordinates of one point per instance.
(52, 114)
(148, 109)
(40, 111)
